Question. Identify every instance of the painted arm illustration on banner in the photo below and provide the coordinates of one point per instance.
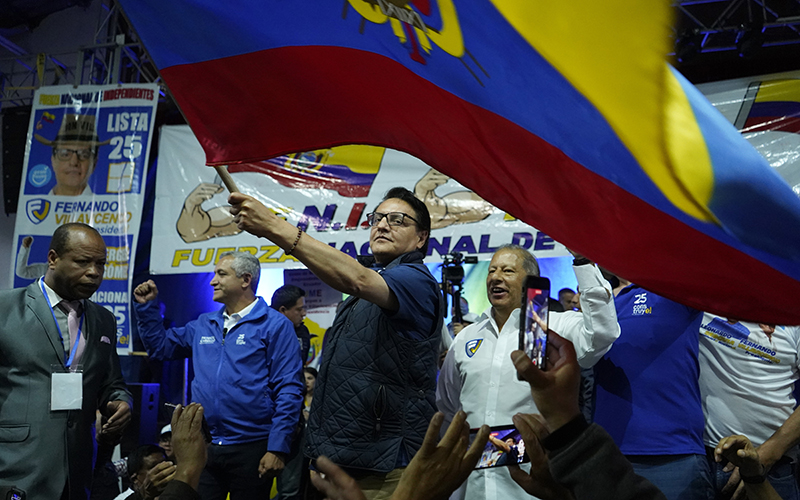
(197, 224)
(25, 270)
(460, 207)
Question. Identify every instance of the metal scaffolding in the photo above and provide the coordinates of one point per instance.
(115, 57)
(745, 26)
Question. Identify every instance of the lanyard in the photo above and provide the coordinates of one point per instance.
(61, 337)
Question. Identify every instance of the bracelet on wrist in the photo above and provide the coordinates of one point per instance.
(294, 245)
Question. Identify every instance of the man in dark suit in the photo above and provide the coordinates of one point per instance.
(58, 350)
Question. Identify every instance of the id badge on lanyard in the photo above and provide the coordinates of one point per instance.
(66, 388)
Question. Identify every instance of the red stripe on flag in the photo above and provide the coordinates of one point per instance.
(319, 97)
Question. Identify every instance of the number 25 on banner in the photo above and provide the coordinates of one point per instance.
(129, 147)
(118, 312)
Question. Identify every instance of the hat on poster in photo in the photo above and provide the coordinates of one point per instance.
(75, 128)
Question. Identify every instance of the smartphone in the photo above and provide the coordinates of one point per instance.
(535, 302)
(505, 447)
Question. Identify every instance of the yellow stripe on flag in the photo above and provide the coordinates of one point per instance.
(613, 53)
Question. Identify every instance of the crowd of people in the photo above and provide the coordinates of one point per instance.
(640, 396)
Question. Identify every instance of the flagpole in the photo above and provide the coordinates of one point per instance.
(222, 171)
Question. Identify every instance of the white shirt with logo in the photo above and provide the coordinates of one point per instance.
(746, 378)
(479, 377)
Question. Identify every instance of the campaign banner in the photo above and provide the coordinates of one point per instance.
(327, 193)
(766, 109)
(85, 160)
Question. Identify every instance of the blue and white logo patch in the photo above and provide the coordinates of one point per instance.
(473, 346)
(37, 210)
(39, 175)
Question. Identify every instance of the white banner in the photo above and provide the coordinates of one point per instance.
(766, 109)
(85, 161)
(326, 192)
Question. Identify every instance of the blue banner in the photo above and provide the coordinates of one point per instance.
(85, 161)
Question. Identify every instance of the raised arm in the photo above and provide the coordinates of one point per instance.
(160, 343)
(335, 268)
(593, 330)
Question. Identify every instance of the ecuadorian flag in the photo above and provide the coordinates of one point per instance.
(564, 114)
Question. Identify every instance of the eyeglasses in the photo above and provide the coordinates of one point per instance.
(392, 218)
(65, 154)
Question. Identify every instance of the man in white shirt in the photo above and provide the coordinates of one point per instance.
(747, 375)
(478, 375)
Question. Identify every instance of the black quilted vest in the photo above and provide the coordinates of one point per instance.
(376, 389)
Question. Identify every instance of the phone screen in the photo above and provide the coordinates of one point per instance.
(532, 337)
(505, 447)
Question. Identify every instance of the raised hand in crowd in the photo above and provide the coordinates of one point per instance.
(554, 390)
(189, 444)
(145, 292)
(582, 458)
(438, 468)
(740, 453)
(539, 481)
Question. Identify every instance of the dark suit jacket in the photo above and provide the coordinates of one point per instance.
(39, 448)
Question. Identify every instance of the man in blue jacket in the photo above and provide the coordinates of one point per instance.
(248, 377)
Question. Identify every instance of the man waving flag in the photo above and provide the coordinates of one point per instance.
(565, 115)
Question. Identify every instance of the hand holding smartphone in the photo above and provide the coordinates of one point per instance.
(535, 315)
(505, 447)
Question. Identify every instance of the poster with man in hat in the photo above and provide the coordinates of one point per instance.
(74, 154)
(86, 161)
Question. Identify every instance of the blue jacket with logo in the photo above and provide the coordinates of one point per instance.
(249, 382)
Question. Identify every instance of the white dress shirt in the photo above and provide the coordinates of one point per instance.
(479, 377)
